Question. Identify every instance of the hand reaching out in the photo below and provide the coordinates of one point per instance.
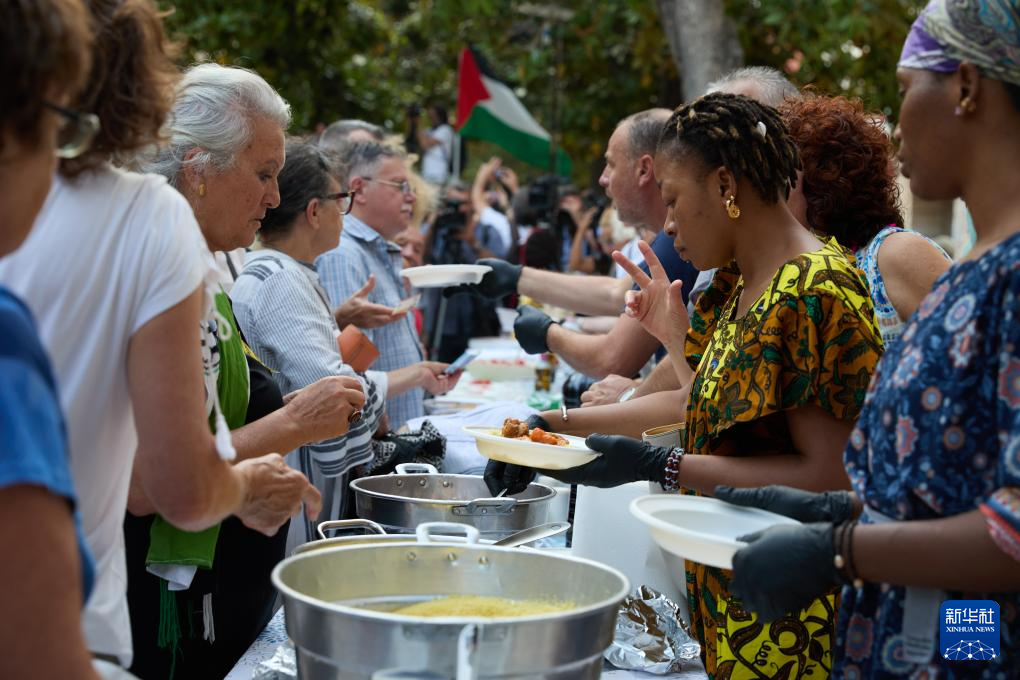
(358, 311)
(274, 494)
(434, 380)
(322, 410)
(659, 305)
(607, 391)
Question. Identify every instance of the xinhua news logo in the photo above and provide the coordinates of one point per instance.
(969, 630)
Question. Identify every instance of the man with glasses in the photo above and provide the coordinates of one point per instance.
(383, 201)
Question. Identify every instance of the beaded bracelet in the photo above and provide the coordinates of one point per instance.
(671, 481)
(843, 553)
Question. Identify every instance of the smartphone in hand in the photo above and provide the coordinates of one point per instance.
(461, 362)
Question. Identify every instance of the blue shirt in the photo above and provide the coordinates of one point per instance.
(675, 267)
(939, 436)
(343, 271)
(33, 439)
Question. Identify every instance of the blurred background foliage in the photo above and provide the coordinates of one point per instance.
(371, 59)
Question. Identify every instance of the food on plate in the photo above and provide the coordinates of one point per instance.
(518, 429)
(483, 606)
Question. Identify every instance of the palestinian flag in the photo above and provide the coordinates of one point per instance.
(487, 109)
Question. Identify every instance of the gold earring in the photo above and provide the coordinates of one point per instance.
(201, 189)
(966, 105)
(732, 209)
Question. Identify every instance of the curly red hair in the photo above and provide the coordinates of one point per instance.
(849, 182)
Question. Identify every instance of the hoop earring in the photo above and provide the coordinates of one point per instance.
(201, 189)
(732, 209)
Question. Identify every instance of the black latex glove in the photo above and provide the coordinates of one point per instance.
(513, 478)
(495, 285)
(623, 460)
(803, 506)
(532, 329)
(784, 568)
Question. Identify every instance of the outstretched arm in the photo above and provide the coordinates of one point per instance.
(591, 295)
(623, 350)
(43, 599)
(955, 553)
(629, 418)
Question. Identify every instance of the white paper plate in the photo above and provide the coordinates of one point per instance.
(442, 275)
(701, 529)
(520, 452)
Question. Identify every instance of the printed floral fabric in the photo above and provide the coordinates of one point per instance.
(939, 436)
(809, 338)
(889, 321)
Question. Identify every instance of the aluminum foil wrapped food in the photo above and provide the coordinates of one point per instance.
(282, 665)
(650, 635)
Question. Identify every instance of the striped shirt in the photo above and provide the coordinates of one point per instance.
(284, 314)
(344, 270)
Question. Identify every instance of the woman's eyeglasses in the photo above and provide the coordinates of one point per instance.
(76, 132)
(344, 200)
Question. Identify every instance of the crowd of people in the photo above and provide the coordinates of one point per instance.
(748, 273)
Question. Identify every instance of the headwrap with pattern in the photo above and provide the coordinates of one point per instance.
(983, 32)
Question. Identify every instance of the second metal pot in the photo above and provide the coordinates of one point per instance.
(331, 596)
(418, 493)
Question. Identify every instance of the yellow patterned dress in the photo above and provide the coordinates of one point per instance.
(810, 338)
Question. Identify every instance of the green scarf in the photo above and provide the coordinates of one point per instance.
(167, 543)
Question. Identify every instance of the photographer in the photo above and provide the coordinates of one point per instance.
(545, 213)
(455, 237)
(435, 142)
(489, 218)
(587, 253)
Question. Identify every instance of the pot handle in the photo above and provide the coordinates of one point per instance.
(425, 531)
(485, 506)
(416, 469)
(368, 524)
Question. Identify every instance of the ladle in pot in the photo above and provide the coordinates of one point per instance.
(533, 534)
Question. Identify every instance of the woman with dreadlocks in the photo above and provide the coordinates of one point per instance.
(782, 346)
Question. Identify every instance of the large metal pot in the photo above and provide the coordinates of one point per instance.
(376, 535)
(335, 639)
(417, 493)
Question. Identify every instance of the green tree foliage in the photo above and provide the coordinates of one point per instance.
(371, 59)
(847, 47)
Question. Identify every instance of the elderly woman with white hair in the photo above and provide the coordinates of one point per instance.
(197, 600)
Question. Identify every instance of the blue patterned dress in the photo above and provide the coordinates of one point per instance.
(939, 436)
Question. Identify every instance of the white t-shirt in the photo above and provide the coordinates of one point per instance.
(631, 251)
(110, 251)
(500, 223)
(435, 162)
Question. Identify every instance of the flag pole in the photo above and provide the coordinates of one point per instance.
(457, 141)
